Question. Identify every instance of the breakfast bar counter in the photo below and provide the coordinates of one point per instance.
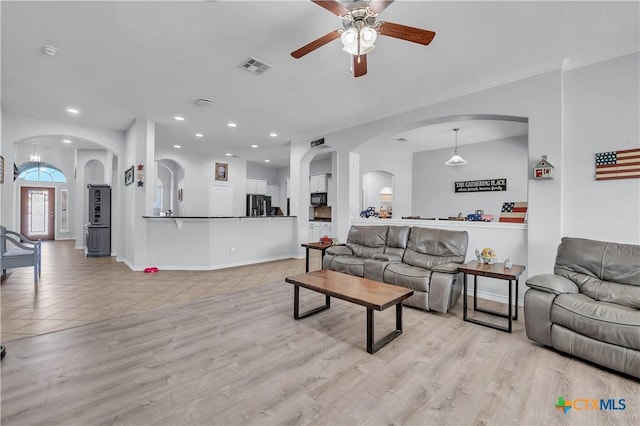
(207, 243)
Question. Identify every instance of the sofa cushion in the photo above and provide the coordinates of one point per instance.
(365, 241)
(429, 247)
(408, 276)
(602, 270)
(397, 238)
(349, 265)
(603, 321)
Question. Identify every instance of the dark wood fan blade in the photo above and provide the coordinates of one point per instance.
(403, 32)
(359, 65)
(379, 5)
(332, 6)
(319, 42)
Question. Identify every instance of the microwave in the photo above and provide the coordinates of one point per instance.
(318, 198)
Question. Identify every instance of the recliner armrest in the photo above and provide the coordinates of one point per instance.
(447, 268)
(387, 257)
(338, 250)
(551, 283)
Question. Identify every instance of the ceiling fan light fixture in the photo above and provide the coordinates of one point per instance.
(349, 40)
(368, 36)
(456, 160)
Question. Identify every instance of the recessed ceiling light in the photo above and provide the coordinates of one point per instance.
(177, 146)
(232, 124)
(204, 102)
(73, 111)
(66, 141)
(199, 135)
(177, 117)
(267, 161)
(254, 146)
(273, 134)
(228, 154)
(49, 50)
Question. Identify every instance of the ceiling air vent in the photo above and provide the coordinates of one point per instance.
(255, 66)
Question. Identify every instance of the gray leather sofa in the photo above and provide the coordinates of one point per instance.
(590, 306)
(422, 259)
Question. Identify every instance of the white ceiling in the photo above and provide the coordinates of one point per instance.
(121, 60)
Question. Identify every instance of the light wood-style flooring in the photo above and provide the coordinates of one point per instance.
(238, 357)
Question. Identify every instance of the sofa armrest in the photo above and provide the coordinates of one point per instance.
(339, 250)
(387, 257)
(447, 268)
(550, 283)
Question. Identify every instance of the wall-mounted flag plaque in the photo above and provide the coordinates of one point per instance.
(618, 164)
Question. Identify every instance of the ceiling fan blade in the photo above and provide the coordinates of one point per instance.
(403, 32)
(379, 5)
(319, 42)
(359, 65)
(332, 6)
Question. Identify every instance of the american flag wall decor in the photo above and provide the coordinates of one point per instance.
(618, 164)
(513, 212)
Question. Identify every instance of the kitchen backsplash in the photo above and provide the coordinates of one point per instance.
(322, 212)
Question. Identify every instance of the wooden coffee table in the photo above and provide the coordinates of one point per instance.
(361, 291)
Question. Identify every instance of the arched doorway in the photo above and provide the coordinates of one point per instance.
(37, 182)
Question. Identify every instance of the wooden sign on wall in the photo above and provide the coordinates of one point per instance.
(482, 185)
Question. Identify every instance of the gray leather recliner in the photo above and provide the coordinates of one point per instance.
(590, 306)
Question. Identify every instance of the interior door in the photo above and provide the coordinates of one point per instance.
(37, 213)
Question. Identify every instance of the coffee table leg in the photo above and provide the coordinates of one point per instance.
(373, 347)
(296, 305)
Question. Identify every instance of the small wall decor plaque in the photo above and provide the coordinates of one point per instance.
(543, 169)
(482, 185)
(128, 176)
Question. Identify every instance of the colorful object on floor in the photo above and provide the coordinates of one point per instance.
(513, 212)
(487, 255)
(150, 270)
(618, 164)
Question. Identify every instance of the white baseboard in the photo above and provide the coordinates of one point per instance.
(205, 267)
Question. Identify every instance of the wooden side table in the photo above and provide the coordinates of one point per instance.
(314, 246)
(497, 271)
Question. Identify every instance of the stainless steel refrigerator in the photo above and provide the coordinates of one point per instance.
(258, 205)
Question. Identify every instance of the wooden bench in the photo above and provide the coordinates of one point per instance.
(17, 251)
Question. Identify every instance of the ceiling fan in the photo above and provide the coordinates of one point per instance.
(361, 30)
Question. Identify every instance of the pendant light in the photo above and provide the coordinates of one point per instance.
(34, 156)
(455, 159)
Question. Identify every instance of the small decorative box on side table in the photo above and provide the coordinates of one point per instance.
(497, 271)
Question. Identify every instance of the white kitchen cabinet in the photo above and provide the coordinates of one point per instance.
(257, 186)
(326, 229)
(314, 231)
(318, 230)
(318, 183)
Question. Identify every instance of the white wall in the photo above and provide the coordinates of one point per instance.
(433, 182)
(601, 109)
(199, 175)
(258, 171)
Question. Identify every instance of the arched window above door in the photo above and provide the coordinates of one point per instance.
(40, 172)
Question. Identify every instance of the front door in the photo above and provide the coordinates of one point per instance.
(37, 213)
